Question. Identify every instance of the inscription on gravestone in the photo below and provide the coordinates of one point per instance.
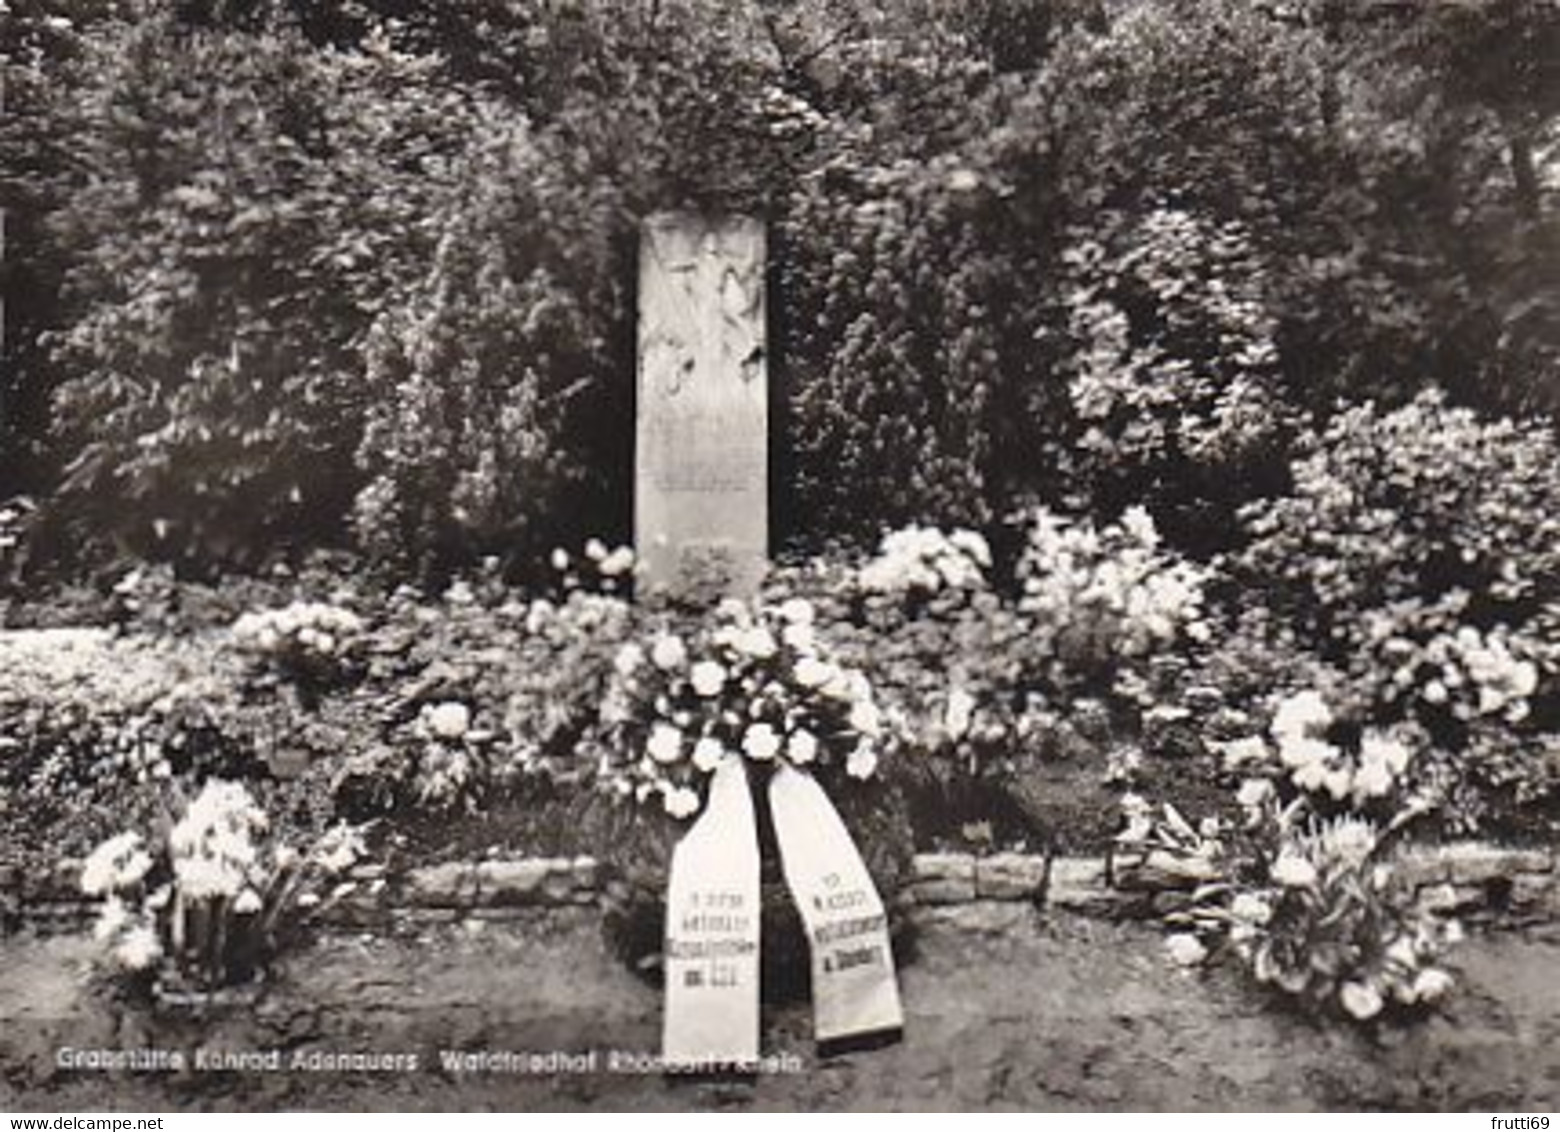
(701, 493)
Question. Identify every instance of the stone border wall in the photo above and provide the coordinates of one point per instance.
(1521, 885)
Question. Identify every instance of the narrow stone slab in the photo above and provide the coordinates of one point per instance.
(1077, 882)
(1009, 876)
(452, 885)
(701, 487)
(514, 882)
(942, 878)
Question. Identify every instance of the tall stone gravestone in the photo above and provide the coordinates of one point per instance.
(701, 498)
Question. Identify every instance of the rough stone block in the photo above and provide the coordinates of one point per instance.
(512, 882)
(586, 873)
(1535, 892)
(943, 866)
(1009, 876)
(1476, 864)
(1078, 883)
(942, 878)
(452, 885)
(1448, 898)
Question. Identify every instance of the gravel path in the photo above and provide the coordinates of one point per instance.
(1012, 1010)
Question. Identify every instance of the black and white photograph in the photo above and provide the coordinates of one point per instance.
(779, 556)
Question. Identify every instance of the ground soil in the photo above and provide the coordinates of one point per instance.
(1009, 1009)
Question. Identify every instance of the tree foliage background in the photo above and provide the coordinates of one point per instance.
(286, 274)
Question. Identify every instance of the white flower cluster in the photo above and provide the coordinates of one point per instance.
(447, 722)
(756, 685)
(926, 560)
(788, 114)
(118, 864)
(312, 628)
(1139, 595)
(1314, 764)
(213, 845)
(1308, 864)
(1476, 674)
(130, 934)
(609, 564)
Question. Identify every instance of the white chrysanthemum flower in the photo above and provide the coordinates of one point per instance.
(802, 747)
(620, 561)
(1339, 783)
(1185, 949)
(1301, 714)
(112, 919)
(449, 720)
(760, 742)
(707, 753)
(1293, 871)
(668, 652)
(116, 864)
(972, 543)
(595, 549)
(707, 678)
(1386, 749)
(1302, 750)
(665, 743)
(862, 762)
(1251, 909)
(866, 718)
(559, 559)
(628, 659)
(139, 949)
(1361, 1000)
(680, 802)
(1139, 524)
(814, 673)
(248, 902)
(1254, 791)
(800, 636)
(757, 642)
(338, 849)
(798, 611)
(1373, 780)
(1431, 984)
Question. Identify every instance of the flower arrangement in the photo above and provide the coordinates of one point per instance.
(750, 682)
(307, 640)
(451, 764)
(1330, 924)
(1376, 769)
(1094, 595)
(206, 905)
(925, 561)
(1310, 906)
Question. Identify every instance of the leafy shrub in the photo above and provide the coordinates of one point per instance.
(499, 414)
(1172, 372)
(1418, 561)
(240, 207)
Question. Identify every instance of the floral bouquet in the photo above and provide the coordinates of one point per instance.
(1311, 907)
(311, 642)
(1330, 924)
(751, 683)
(207, 905)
